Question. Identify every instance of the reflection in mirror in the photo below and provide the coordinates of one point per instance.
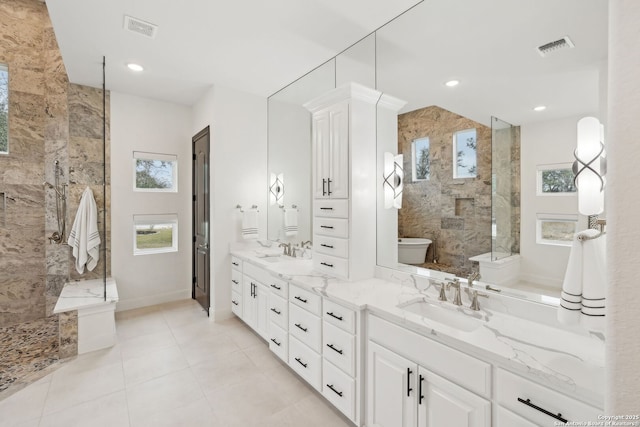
(503, 76)
(289, 152)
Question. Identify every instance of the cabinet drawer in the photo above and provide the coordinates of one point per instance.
(306, 327)
(236, 263)
(306, 362)
(505, 418)
(333, 227)
(458, 367)
(236, 304)
(236, 281)
(278, 311)
(339, 389)
(305, 299)
(511, 387)
(279, 342)
(339, 348)
(331, 208)
(331, 265)
(335, 246)
(339, 316)
(278, 287)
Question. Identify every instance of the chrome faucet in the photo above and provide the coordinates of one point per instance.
(287, 248)
(443, 294)
(473, 276)
(305, 244)
(475, 305)
(456, 296)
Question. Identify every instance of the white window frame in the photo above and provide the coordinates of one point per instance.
(5, 67)
(547, 167)
(455, 153)
(141, 155)
(414, 159)
(541, 218)
(149, 219)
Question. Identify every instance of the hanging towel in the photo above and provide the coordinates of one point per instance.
(250, 224)
(290, 222)
(84, 237)
(583, 289)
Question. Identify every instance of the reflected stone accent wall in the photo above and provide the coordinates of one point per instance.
(49, 120)
(455, 213)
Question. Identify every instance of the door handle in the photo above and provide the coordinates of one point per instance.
(324, 183)
(328, 186)
(420, 395)
(409, 389)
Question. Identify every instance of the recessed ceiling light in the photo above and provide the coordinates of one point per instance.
(540, 108)
(135, 67)
(452, 83)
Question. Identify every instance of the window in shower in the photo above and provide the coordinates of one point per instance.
(556, 229)
(153, 234)
(555, 180)
(4, 109)
(420, 158)
(155, 172)
(465, 164)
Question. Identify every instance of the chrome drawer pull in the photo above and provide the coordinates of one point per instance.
(544, 411)
(327, 226)
(334, 349)
(300, 362)
(234, 302)
(327, 265)
(235, 263)
(276, 287)
(326, 246)
(235, 281)
(300, 299)
(276, 311)
(409, 389)
(275, 342)
(300, 327)
(420, 395)
(339, 393)
(326, 209)
(330, 313)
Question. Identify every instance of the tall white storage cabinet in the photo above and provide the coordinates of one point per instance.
(344, 178)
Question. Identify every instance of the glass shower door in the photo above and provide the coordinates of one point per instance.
(503, 225)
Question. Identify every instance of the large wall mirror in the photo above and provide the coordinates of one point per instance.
(484, 171)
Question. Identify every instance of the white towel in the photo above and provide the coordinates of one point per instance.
(250, 224)
(290, 222)
(84, 237)
(583, 289)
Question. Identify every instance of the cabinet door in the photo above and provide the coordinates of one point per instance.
(442, 403)
(338, 186)
(248, 301)
(321, 153)
(262, 310)
(391, 389)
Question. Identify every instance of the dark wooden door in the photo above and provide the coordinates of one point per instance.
(201, 290)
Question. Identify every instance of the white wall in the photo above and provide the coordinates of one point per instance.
(623, 205)
(141, 124)
(238, 123)
(543, 143)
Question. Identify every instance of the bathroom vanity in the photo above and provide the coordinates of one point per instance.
(388, 353)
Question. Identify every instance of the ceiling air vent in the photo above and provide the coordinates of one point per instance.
(141, 27)
(563, 43)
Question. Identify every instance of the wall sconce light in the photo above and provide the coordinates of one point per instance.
(276, 189)
(590, 166)
(393, 181)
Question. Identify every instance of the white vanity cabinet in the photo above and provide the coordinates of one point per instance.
(415, 381)
(255, 296)
(330, 130)
(278, 318)
(344, 124)
(236, 286)
(532, 404)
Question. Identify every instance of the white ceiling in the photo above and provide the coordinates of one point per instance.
(256, 46)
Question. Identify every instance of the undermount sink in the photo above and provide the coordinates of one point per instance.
(447, 316)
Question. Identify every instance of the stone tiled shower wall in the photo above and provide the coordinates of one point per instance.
(455, 213)
(49, 120)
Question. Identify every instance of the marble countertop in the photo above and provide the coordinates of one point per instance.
(562, 359)
(84, 294)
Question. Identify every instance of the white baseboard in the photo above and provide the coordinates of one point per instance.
(129, 304)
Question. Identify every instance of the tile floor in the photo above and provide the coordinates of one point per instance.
(173, 367)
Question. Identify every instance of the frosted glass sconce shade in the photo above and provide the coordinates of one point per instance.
(276, 189)
(590, 166)
(393, 181)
